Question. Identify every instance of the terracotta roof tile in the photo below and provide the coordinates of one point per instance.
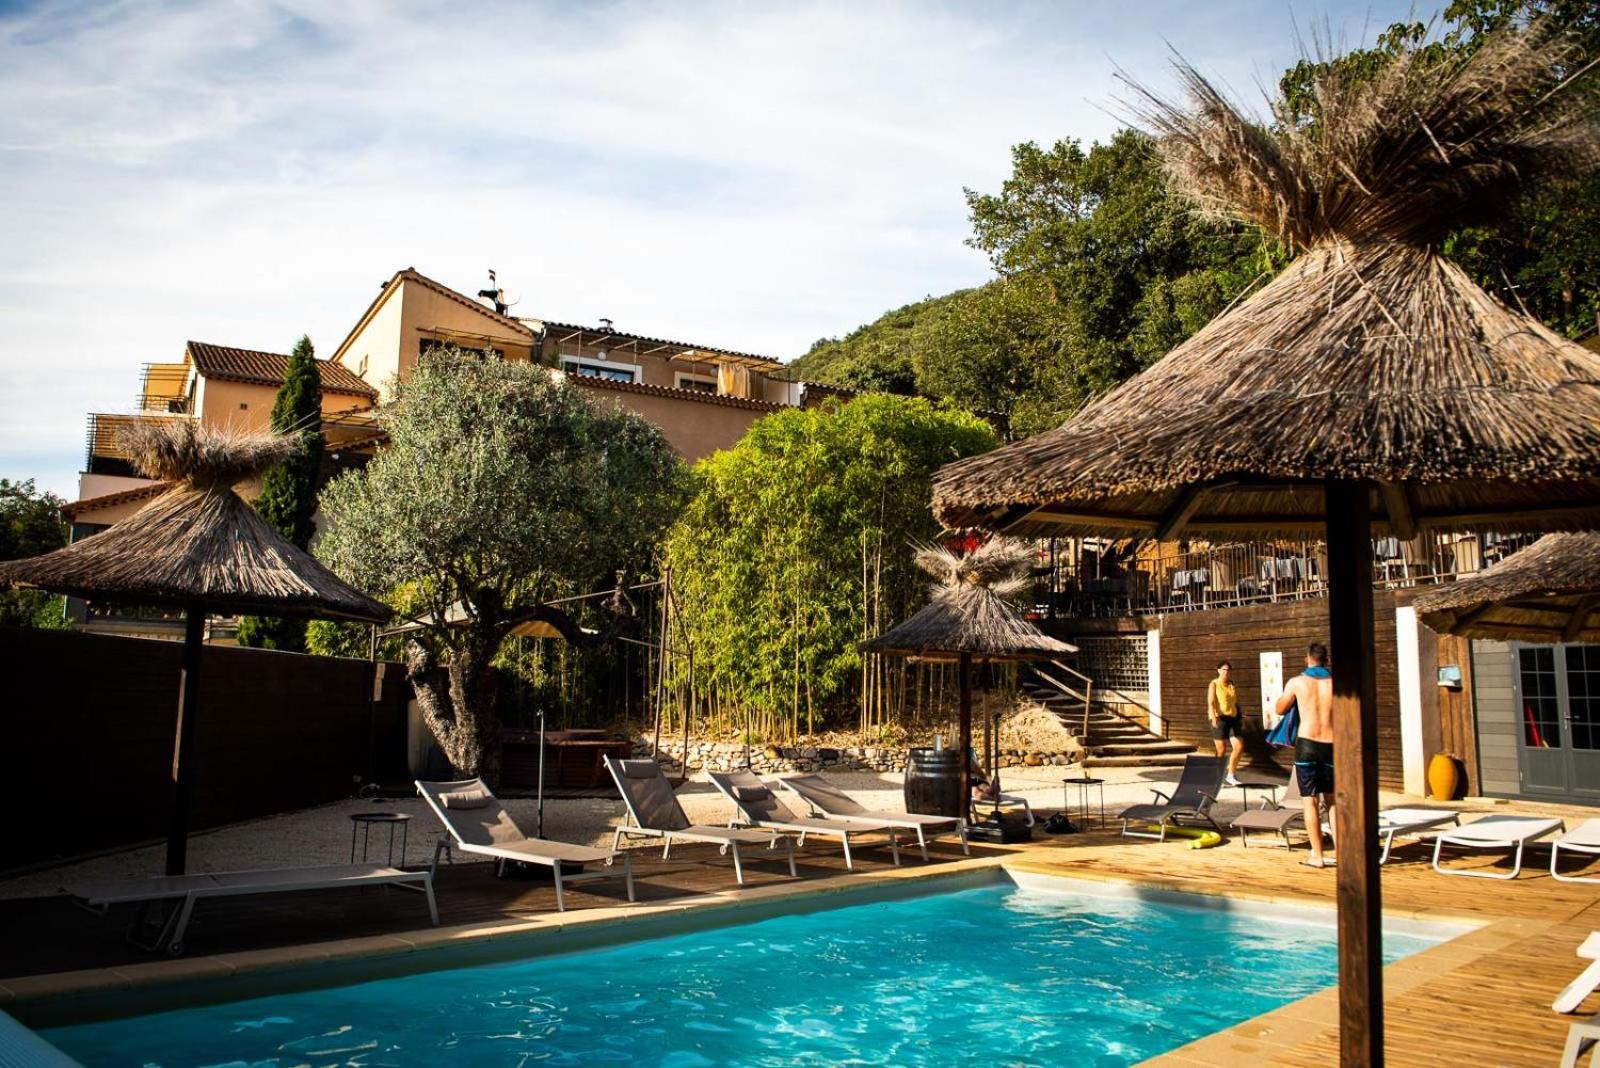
(268, 368)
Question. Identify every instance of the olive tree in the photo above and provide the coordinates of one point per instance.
(501, 487)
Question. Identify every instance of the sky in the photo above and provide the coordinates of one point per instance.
(753, 176)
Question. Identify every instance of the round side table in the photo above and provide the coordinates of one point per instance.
(1083, 784)
(363, 821)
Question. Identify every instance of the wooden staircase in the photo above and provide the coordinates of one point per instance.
(1109, 738)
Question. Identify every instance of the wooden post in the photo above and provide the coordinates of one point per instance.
(194, 625)
(965, 731)
(1355, 760)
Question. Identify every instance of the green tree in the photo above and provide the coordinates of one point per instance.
(288, 498)
(30, 525)
(797, 543)
(500, 489)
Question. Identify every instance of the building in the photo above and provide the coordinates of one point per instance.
(702, 397)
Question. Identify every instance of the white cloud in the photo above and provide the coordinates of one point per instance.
(754, 176)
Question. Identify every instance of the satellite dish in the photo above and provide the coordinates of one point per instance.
(510, 298)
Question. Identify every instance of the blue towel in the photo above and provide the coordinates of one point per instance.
(1288, 729)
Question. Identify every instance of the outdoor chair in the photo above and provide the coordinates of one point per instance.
(183, 892)
(1408, 822)
(1571, 998)
(479, 824)
(1001, 800)
(1273, 817)
(1584, 840)
(1498, 833)
(827, 800)
(1189, 802)
(758, 806)
(654, 812)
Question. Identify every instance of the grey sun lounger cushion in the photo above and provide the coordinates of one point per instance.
(654, 812)
(1276, 818)
(833, 802)
(488, 830)
(1191, 799)
(187, 890)
(1584, 839)
(1494, 832)
(760, 807)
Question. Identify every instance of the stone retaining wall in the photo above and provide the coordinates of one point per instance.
(771, 760)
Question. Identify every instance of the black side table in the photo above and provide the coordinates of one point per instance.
(1244, 786)
(1083, 785)
(363, 821)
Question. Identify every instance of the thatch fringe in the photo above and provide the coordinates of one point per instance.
(969, 612)
(1420, 148)
(198, 544)
(1369, 358)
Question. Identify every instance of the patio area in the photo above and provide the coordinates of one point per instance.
(1499, 978)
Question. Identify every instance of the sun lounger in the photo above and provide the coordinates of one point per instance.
(1001, 800)
(183, 892)
(1272, 817)
(1189, 802)
(654, 812)
(479, 824)
(1570, 999)
(827, 800)
(1407, 822)
(1581, 1038)
(1584, 840)
(1494, 832)
(758, 806)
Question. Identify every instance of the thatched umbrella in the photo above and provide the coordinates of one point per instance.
(1548, 592)
(200, 548)
(969, 620)
(1370, 385)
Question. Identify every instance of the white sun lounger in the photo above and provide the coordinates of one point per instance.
(654, 812)
(1581, 1038)
(1408, 822)
(184, 891)
(1569, 999)
(1584, 839)
(758, 806)
(479, 823)
(1494, 832)
(827, 800)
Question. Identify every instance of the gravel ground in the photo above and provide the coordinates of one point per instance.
(321, 835)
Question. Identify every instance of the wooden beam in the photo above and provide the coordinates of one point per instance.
(183, 742)
(964, 670)
(1355, 755)
(1010, 517)
(1400, 509)
(1580, 618)
(1466, 619)
(1183, 510)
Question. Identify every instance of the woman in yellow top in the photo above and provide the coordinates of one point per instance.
(1222, 708)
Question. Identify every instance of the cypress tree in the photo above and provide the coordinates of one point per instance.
(288, 497)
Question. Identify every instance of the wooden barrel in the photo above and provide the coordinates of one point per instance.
(933, 782)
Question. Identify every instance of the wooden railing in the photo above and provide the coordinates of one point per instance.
(1084, 682)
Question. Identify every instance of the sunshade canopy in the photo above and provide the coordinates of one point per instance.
(199, 543)
(1548, 592)
(1370, 357)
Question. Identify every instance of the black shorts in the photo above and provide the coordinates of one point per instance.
(1228, 727)
(1313, 766)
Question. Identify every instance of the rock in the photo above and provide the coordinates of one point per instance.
(1033, 760)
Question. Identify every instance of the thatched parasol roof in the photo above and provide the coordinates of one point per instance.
(199, 543)
(1370, 357)
(1548, 592)
(969, 612)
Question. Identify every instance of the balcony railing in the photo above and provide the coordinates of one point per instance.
(1095, 579)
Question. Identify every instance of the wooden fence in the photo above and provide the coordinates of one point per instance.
(88, 725)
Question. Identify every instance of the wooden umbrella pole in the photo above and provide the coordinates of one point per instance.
(1355, 757)
(194, 623)
(965, 732)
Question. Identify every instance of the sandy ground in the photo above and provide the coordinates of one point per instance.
(322, 835)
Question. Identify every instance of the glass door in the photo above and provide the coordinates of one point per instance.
(1582, 678)
(1558, 704)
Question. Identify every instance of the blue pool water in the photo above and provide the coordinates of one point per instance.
(997, 974)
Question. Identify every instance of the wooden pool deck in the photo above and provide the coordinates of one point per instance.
(1482, 998)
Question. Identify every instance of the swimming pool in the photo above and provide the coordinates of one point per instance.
(1044, 973)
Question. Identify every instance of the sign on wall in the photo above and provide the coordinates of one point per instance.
(1271, 685)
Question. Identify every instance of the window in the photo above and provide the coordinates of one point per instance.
(695, 383)
(1583, 695)
(614, 372)
(1541, 707)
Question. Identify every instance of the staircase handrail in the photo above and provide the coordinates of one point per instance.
(1087, 683)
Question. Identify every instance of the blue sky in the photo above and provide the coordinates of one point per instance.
(754, 176)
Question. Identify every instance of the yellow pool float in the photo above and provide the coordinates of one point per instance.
(1201, 838)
